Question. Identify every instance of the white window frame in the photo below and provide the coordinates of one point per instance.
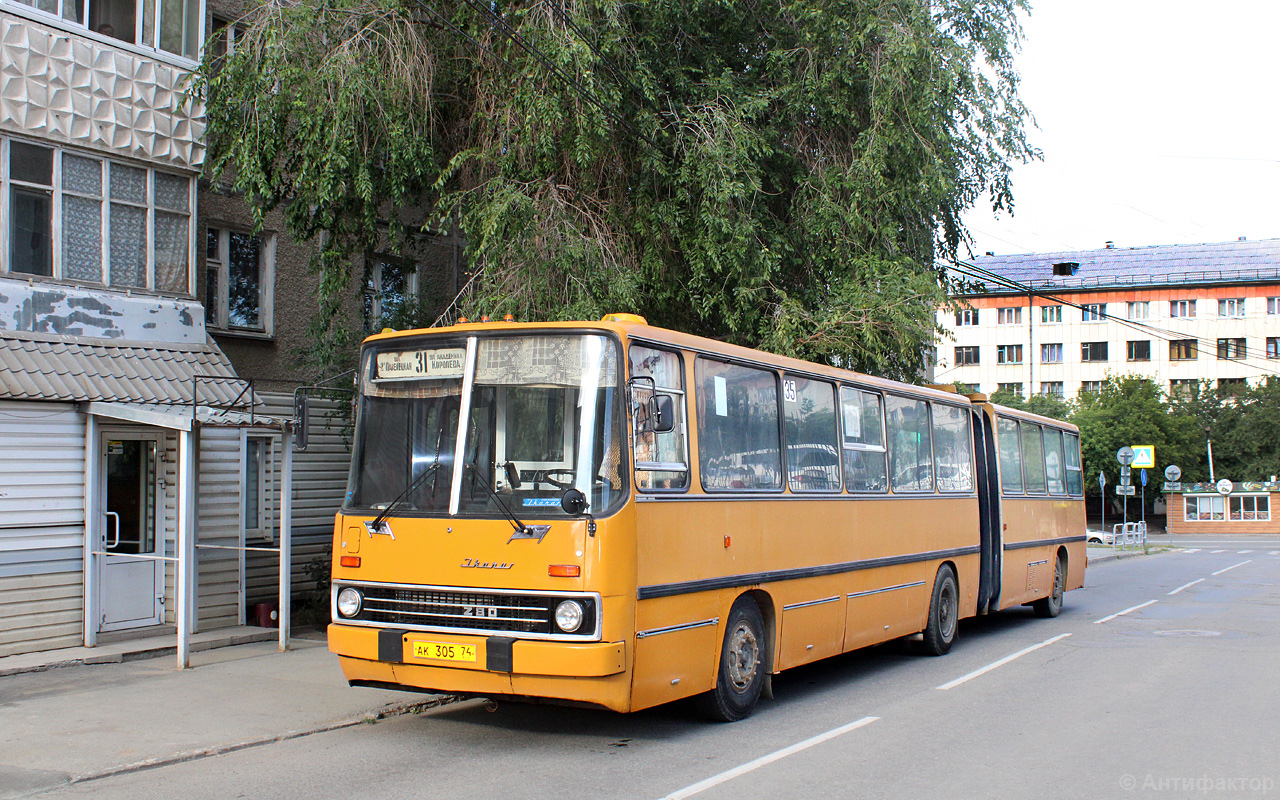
(1010, 315)
(1182, 308)
(373, 289)
(1206, 506)
(1273, 305)
(1248, 504)
(221, 266)
(1139, 309)
(1051, 353)
(56, 227)
(1231, 307)
(1050, 315)
(966, 316)
(266, 481)
(1093, 312)
(81, 28)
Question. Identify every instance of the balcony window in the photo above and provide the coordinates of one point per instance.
(169, 25)
(87, 219)
(1140, 350)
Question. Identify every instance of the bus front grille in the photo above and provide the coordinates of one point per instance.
(464, 610)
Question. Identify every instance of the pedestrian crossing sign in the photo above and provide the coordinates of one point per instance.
(1144, 456)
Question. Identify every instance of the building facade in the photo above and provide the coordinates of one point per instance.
(1061, 323)
(125, 428)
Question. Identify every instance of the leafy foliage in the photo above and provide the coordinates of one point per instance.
(780, 175)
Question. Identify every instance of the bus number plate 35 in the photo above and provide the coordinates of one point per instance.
(444, 651)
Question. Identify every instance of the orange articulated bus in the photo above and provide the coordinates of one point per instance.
(614, 514)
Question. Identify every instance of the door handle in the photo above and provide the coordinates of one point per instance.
(116, 541)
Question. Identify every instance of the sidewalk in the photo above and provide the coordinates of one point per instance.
(72, 723)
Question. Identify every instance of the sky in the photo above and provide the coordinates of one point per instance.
(1159, 122)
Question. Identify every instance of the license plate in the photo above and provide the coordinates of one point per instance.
(443, 651)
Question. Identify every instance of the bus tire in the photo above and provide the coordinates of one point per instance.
(1049, 607)
(944, 613)
(741, 676)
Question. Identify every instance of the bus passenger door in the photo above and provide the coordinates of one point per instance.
(984, 448)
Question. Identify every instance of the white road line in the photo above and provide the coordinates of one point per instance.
(1186, 585)
(1233, 566)
(1217, 551)
(1274, 553)
(1242, 552)
(1001, 662)
(1192, 550)
(1122, 613)
(728, 775)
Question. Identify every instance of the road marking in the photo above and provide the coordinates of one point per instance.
(1186, 585)
(1001, 662)
(728, 775)
(1122, 613)
(1192, 550)
(1274, 553)
(1242, 552)
(1217, 551)
(1233, 566)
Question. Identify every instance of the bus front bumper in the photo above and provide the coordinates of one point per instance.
(584, 672)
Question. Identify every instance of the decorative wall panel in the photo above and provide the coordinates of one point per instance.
(58, 86)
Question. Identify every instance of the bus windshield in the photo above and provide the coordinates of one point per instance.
(544, 415)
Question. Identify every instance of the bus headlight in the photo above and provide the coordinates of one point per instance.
(569, 616)
(349, 602)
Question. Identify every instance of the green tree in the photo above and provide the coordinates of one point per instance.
(783, 175)
(1131, 410)
(1242, 423)
(1046, 405)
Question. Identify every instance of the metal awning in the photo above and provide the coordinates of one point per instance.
(37, 366)
(179, 418)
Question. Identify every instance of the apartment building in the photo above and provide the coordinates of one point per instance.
(1061, 323)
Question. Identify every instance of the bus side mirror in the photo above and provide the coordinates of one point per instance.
(662, 413)
(573, 502)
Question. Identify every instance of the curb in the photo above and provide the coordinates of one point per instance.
(387, 712)
(1117, 556)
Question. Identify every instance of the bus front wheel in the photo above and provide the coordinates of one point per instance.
(944, 613)
(742, 668)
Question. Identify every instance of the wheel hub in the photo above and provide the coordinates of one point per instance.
(743, 657)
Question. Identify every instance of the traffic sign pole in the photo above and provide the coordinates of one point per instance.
(1102, 487)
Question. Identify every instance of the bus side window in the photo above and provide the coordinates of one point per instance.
(661, 459)
(864, 454)
(910, 446)
(1033, 458)
(738, 437)
(952, 448)
(1053, 461)
(1075, 478)
(813, 461)
(1010, 456)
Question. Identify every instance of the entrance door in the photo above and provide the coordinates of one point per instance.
(132, 588)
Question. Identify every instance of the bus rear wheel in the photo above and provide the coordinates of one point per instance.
(1050, 606)
(742, 665)
(944, 613)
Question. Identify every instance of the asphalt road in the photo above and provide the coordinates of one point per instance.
(1159, 679)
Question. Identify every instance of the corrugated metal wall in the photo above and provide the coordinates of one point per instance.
(319, 484)
(218, 523)
(41, 526)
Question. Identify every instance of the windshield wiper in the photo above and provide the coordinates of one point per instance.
(523, 531)
(377, 524)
